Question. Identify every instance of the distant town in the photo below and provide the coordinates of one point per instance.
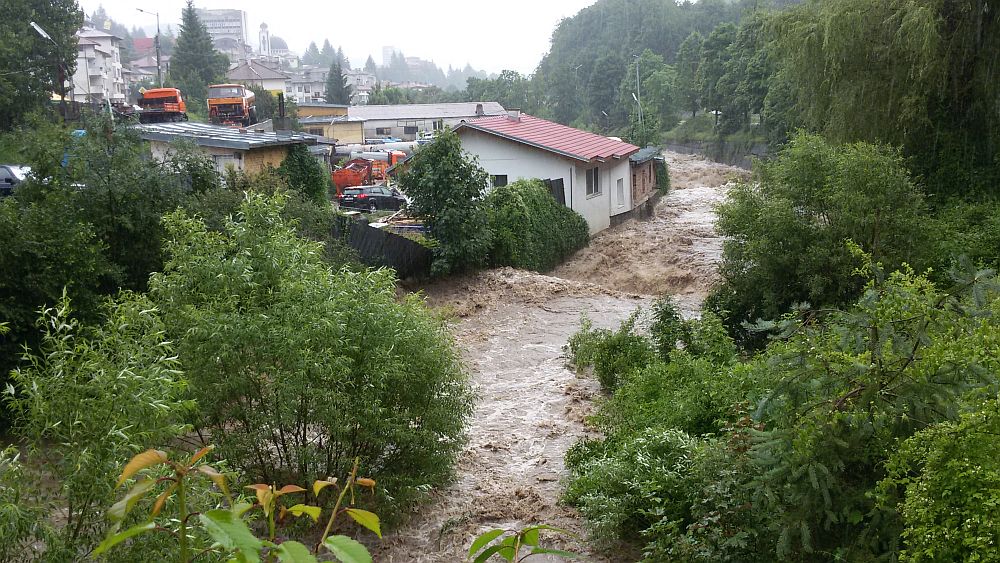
(113, 63)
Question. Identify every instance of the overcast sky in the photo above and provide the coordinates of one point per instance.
(491, 36)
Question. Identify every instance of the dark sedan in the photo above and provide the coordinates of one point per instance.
(370, 198)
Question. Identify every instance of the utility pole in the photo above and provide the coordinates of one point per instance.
(63, 72)
(159, 67)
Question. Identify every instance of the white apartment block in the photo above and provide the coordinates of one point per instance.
(224, 24)
(98, 76)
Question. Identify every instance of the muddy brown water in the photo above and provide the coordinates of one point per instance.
(512, 327)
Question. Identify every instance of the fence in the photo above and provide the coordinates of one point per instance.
(378, 247)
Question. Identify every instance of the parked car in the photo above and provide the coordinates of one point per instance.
(371, 198)
(10, 176)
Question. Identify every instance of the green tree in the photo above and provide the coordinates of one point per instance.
(944, 482)
(686, 64)
(920, 74)
(370, 66)
(337, 90)
(312, 55)
(787, 230)
(32, 64)
(603, 86)
(446, 189)
(298, 369)
(715, 54)
(304, 173)
(195, 63)
(327, 55)
(267, 105)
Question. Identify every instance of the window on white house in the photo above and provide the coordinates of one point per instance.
(593, 181)
(621, 192)
(383, 130)
(499, 180)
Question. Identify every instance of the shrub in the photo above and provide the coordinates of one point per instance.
(91, 397)
(945, 484)
(297, 369)
(623, 487)
(613, 354)
(787, 232)
(530, 229)
(304, 173)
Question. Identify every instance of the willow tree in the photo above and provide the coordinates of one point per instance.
(916, 73)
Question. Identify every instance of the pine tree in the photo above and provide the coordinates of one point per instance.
(195, 63)
(311, 56)
(327, 55)
(370, 66)
(344, 63)
(337, 91)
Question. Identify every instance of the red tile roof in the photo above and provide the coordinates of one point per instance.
(553, 137)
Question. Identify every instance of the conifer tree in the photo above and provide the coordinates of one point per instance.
(195, 63)
(327, 54)
(312, 55)
(370, 66)
(337, 90)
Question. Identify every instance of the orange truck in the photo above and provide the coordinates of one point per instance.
(158, 105)
(366, 170)
(231, 104)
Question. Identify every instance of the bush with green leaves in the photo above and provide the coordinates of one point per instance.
(446, 189)
(624, 486)
(91, 396)
(304, 173)
(851, 388)
(944, 482)
(816, 472)
(297, 369)
(531, 230)
(787, 230)
(613, 354)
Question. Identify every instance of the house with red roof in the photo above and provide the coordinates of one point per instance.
(587, 172)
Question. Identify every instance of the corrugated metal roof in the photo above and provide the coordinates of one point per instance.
(552, 137)
(320, 105)
(217, 136)
(648, 153)
(424, 111)
(325, 119)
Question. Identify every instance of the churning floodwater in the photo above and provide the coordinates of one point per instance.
(512, 327)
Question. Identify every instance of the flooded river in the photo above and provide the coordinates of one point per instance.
(512, 326)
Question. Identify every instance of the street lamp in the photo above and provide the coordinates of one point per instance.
(159, 67)
(62, 68)
(640, 109)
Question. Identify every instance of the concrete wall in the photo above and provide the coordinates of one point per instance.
(254, 160)
(396, 127)
(320, 111)
(517, 161)
(345, 131)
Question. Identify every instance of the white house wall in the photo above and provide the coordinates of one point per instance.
(518, 161)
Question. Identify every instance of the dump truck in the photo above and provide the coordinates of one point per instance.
(231, 104)
(158, 105)
(367, 168)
